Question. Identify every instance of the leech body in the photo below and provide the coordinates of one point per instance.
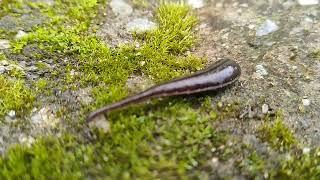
(217, 76)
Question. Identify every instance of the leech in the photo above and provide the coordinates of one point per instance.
(221, 74)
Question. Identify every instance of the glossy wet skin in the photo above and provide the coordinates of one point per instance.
(217, 76)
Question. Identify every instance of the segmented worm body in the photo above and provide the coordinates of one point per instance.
(221, 74)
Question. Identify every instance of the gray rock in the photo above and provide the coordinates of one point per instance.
(141, 25)
(305, 123)
(250, 139)
(121, 8)
(25, 22)
(4, 44)
(266, 28)
(44, 118)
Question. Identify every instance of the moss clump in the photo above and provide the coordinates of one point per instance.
(277, 134)
(2, 57)
(140, 146)
(175, 33)
(50, 157)
(315, 54)
(14, 96)
(300, 166)
(254, 165)
(108, 69)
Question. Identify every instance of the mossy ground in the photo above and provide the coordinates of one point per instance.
(171, 138)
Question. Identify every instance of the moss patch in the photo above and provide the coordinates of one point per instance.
(277, 134)
(301, 166)
(14, 96)
(149, 146)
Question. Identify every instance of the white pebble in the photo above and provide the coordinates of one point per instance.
(306, 102)
(195, 3)
(251, 26)
(265, 108)
(308, 2)
(121, 8)
(261, 70)
(4, 44)
(266, 28)
(140, 25)
(20, 34)
(12, 114)
(306, 150)
(100, 122)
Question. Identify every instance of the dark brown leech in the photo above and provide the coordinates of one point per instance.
(217, 76)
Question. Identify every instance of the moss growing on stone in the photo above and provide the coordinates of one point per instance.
(140, 146)
(300, 166)
(14, 95)
(277, 134)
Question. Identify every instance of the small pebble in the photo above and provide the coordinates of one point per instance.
(306, 102)
(265, 108)
(308, 2)
(121, 8)
(2, 69)
(4, 44)
(214, 160)
(100, 122)
(306, 150)
(20, 34)
(266, 28)
(140, 25)
(195, 3)
(261, 70)
(12, 114)
(251, 26)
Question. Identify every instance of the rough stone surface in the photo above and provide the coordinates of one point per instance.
(291, 72)
(266, 28)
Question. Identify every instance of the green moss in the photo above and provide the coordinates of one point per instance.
(2, 57)
(277, 134)
(41, 84)
(175, 33)
(300, 166)
(140, 146)
(315, 54)
(49, 157)
(14, 96)
(165, 139)
(254, 165)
